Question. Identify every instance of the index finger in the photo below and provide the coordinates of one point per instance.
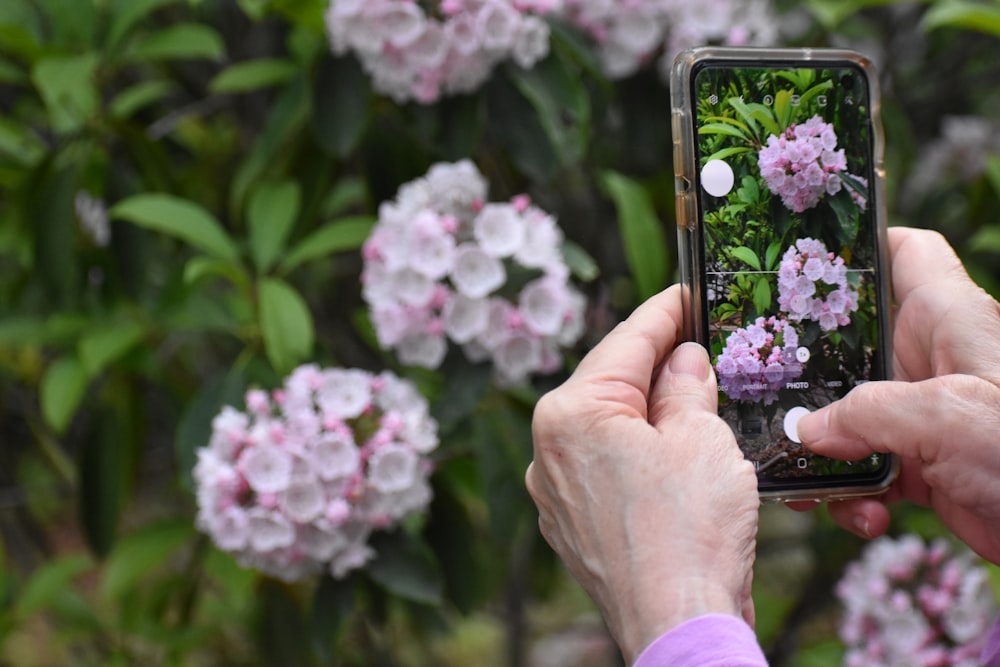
(637, 345)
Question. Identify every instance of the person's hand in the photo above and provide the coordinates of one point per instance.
(640, 487)
(941, 415)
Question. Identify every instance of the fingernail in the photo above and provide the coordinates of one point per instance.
(690, 359)
(812, 427)
(861, 525)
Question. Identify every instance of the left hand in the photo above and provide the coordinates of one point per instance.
(640, 486)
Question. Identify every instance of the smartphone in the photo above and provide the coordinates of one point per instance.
(782, 244)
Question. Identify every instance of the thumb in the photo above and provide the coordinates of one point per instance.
(685, 384)
(912, 419)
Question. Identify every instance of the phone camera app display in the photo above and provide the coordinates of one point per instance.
(789, 252)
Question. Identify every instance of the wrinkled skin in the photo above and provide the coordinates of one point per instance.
(941, 414)
(640, 487)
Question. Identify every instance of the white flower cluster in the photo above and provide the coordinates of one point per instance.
(911, 603)
(441, 263)
(415, 54)
(300, 480)
(630, 34)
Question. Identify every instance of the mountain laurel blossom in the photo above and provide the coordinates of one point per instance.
(298, 482)
(813, 285)
(910, 603)
(758, 360)
(423, 50)
(413, 53)
(438, 267)
(803, 164)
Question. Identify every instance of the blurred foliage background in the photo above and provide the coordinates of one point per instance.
(237, 167)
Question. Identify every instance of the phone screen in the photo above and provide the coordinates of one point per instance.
(790, 282)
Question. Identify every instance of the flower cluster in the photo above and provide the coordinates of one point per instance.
(758, 360)
(803, 164)
(300, 480)
(630, 34)
(413, 54)
(441, 262)
(813, 285)
(911, 603)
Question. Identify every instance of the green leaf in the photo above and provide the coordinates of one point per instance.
(62, 388)
(20, 144)
(272, 212)
(993, 173)
(253, 75)
(728, 152)
(136, 97)
(345, 234)
(126, 14)
(723, 128)
(986, 239)
(555, 90)
(405, 566)
(980, 16)
(345, 194)
(68, 89)
(184, 41)
(642, 234)
(579, 261)
(285, 323)
(783, 108)
(105, 466)
(138, 554)
(341, 99)
(49, 581)
(284, 122)
(332, 605)
(103, 345)
(179, 218)
(195, 426)
(746, 255)
(771, 255)
(762, 295)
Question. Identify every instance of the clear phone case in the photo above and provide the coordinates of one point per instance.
(690, 231)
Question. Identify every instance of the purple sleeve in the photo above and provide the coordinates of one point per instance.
(991, 654)
(713, 640)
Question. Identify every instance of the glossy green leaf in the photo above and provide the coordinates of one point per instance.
(194, 429)
(126, 14)
(341, 100)
(106, 473)
(555, 90)
(253, 75)
(332, 605)
(642, 234)
(138, 554)
(179, 218)
(347, 193)
(286, 324)
(183, 41)
(964, 14)
(341, 235)
(747, 256)
(579, 261)
(62, 389)
(49, 581)
(271, 213)
(103, 345)
(132, 99)
(762, 295)
(406, 567)
(69, 90)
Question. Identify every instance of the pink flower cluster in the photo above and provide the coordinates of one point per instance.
(915, 604)
(813, 285)
(758, 360)
(438, 265)
(632, 33)
(803, 164)
(413, 53)
(298, 482)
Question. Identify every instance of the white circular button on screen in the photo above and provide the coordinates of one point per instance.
(792, 418)
(717, 178)
(802, 355)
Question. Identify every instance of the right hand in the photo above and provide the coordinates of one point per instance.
(941, 415)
